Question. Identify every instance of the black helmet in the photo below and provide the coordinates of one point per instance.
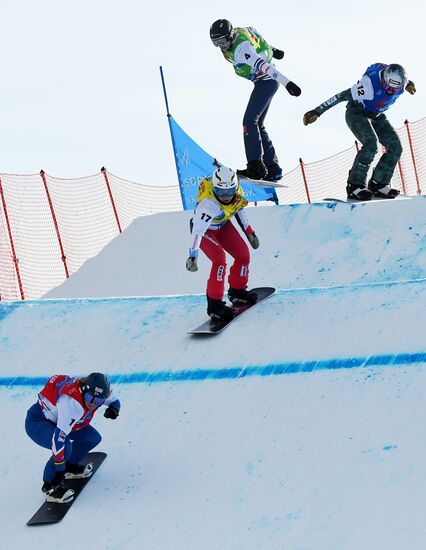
(97, 386)
(221, 33)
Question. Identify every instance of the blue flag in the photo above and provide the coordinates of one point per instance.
(193, 164)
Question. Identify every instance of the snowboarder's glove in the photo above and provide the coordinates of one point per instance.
(59, 477)
(191, 264)
(410, 87)
(293, 89)
(112, 412)
(253, 239)
(278, 54)
(309, 117)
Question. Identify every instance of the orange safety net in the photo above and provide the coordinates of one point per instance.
(50, 226)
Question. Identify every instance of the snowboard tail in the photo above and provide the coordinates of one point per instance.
(263, 183)
(214, 326)
(53, 512)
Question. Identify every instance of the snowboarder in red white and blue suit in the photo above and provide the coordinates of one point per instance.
(60, 421)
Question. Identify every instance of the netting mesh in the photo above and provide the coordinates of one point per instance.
(50, 226)
(417, 182)
(134, 200)
(327, 177)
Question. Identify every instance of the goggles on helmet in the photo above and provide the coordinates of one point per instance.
(391, 89)
(223, 193)
(222, 42)
(393, 78)
(93, 399)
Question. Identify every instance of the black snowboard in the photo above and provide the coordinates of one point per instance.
(53, 512)
(214, 326)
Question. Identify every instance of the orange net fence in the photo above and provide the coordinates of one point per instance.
(50, 226)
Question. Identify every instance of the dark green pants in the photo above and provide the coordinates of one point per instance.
(368, 131)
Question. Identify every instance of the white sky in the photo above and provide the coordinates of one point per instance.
(81, 85)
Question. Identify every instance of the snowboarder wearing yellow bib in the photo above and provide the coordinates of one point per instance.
(251, 56)
(220, 198)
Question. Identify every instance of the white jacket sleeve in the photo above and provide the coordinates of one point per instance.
(205, 212)
(242, 220)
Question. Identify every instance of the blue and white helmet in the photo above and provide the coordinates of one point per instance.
(225, 183)
(394, 78)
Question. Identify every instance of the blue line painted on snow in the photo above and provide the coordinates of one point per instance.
(67, 303)
(241, 372)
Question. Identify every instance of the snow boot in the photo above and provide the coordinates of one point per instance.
(255, 170)
(384, 191)
(218, 310)
(78, 471)
(358, 192)
(242, 296)
(57, 493)
(274, 172)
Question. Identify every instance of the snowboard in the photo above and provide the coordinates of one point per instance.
(53, 512)
(214, 326)
(262, 183)
(373, 199)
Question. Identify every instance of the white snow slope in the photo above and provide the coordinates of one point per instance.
(300, 427)
(301, 245)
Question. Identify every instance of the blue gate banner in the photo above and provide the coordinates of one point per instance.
(193, 164)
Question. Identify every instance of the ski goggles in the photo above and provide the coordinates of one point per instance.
(225, 194)
(93, 399)
(391, 89)
(222, 42)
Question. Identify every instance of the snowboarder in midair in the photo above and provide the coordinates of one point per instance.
(60, 421)
(220, 197)
(251, 56)
(368, 99)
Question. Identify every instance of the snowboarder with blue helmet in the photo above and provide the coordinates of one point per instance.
(367, 101)
(251, 56)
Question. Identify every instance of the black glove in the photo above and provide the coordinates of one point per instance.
(293, 89)
(253, 239)
(278, 54)
(111, 412)
(410, 87)
(310, 117)
(59, 477)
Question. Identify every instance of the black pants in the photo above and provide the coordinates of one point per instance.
(368, 131)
